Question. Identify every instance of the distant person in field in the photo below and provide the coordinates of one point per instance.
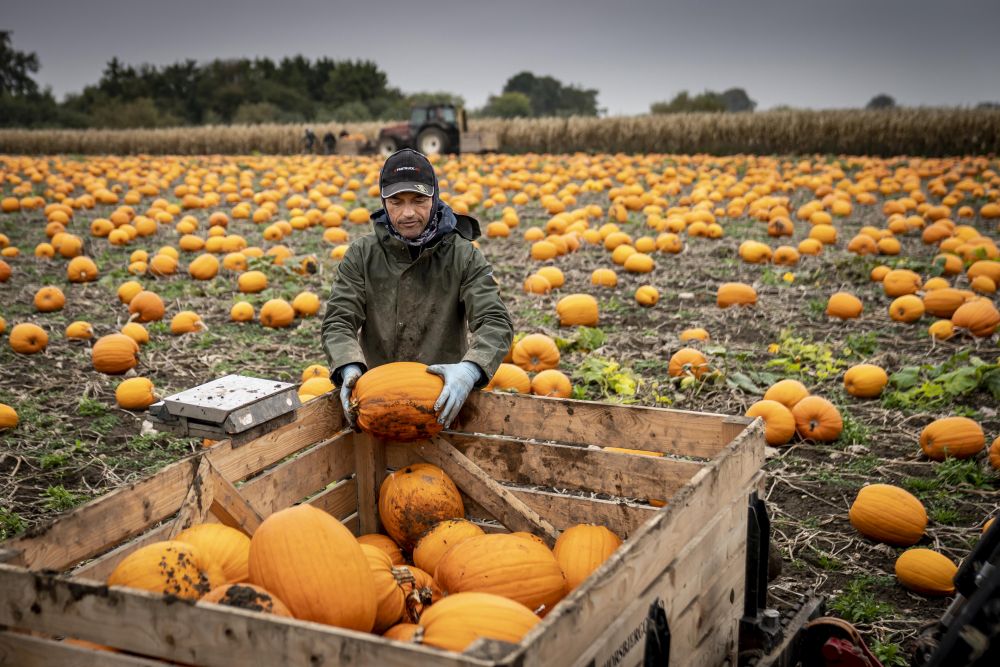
(309, 140)
(329, 143)
(416, 290)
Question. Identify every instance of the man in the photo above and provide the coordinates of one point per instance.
(413, 290)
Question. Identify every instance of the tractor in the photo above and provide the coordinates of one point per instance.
(432, 129)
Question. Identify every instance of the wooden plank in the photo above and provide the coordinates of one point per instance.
(369, 470)
(707, 557)
(341, 501)
(117, 516)
(504, 506)
(291, 481)
(563, 466)
(314, 422)
(11, 556)
(130, 510)
(197, 502)
(592, 423)
(27, 651)
(634, 566)
(565, 510)
(229, 506)
(280, 487)
(207, 635)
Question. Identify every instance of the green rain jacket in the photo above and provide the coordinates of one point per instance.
(385, 306)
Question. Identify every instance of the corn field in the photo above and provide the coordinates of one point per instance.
(926, 132)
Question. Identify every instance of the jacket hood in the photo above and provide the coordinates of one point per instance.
(447, 221)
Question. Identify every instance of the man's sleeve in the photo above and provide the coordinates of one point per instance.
(345, 314)
(489, 320)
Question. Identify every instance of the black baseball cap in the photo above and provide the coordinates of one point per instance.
(407, 171)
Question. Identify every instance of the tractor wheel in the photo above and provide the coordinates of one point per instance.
(432, 141)
(387, 146)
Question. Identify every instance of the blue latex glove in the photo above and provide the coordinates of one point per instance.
(349, 376)
(459, 379)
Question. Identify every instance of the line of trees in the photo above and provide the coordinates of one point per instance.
(257, 90)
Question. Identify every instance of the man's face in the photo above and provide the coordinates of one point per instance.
(409, 213)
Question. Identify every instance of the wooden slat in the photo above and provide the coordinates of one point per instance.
(314, 422)
(229, 506)
(638, 562)
(280, 487)
(564, 510)
(503, 505)
(341, 501)
(682, 583)
(197, 502)
(292, 480)
(208, 635)
(118, 516)
(130, 510)
(523, 462)
(27, 651)
(369, 470)
(592, 423)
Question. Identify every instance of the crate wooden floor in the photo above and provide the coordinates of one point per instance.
(688, 555)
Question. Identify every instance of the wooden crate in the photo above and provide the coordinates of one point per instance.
(686, 559)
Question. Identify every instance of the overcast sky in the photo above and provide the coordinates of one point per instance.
(802, 53)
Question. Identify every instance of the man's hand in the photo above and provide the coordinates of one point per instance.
(459, 379)
(349, 376)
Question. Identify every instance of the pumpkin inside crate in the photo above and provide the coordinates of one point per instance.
(549, 458)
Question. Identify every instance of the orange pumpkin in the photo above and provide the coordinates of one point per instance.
(959, 437)
(228, 547)
(900, 282)
(135, 394)
(443, 536)
(509, 378)
(277, 313)
(247, 596)
(687, 361)
(647, 296)
(146, 306)
(735, 294)
(391, 598)
(396, 401)
(536, 352)
(581, 549)
(696, 333)
(817, 419)
(385, 543)
(926, 572)
(49, 299)
(413, 499)
(845, 306)
(907, 308)
(865, 380)
(943, 302)
(401, 632)
(995, 453)
(889, 514)
(172, 567)
(315, 566)
(503, 564)
(458, 620)
(979, 317)
(779, 423)
(81, 270)
(27, 338)
(551, 382)
(577, 310)
(536, 284)
(114, 354)
(786, 392)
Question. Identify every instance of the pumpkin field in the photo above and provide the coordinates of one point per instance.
(848, 301)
